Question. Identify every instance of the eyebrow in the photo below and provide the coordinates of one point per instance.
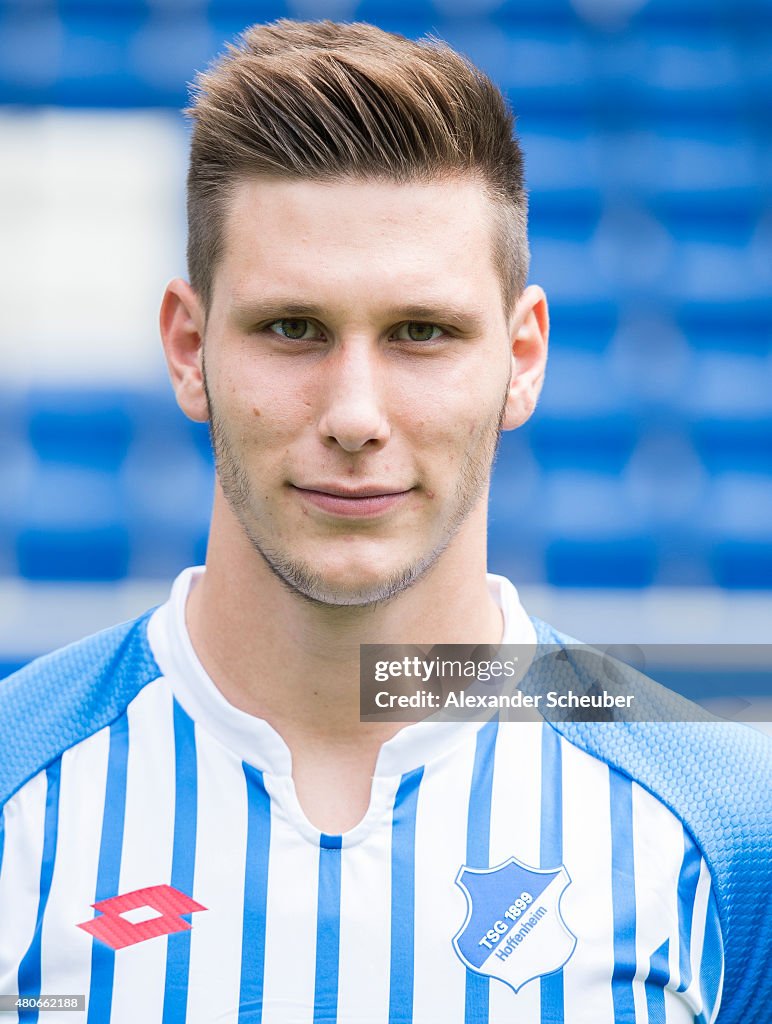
(248, 311)
(446, 313)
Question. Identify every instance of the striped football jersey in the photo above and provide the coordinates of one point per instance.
(154, 858)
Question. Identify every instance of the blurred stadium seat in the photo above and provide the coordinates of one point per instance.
(649, 158)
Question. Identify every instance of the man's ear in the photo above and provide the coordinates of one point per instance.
(530, 334)
(182, 330)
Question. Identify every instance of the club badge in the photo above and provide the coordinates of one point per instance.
(514, 930)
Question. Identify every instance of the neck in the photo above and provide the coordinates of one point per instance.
(295, 663)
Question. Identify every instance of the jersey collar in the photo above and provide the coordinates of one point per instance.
(257, 742)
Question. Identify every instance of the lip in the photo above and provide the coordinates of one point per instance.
(356, 502)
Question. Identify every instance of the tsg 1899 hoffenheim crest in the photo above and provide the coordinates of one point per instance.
(514, 930)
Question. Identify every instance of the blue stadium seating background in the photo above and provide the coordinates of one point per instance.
(647, 130)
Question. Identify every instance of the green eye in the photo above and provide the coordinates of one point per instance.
(294, 330)
(415, 330)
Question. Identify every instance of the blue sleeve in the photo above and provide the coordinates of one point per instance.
(716, 777)
(60, 699)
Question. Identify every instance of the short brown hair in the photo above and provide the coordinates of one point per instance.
(325, 101)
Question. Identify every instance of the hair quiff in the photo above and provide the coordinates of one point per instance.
(325, 101)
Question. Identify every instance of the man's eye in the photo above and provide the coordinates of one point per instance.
(294, 330)
(415, 330)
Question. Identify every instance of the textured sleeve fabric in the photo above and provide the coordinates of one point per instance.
(716, 777)
(60, 699)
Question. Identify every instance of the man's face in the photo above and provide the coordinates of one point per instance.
(357, 359)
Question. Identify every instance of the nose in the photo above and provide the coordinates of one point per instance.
(353, 414)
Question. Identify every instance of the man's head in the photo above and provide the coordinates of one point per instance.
(323, 101)
(357, 331)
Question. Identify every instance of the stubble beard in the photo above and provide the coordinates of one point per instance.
(299, 577)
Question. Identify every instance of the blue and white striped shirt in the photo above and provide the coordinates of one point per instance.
(500, 874)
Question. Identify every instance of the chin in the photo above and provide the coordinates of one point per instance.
(347, 589)
(346, 586)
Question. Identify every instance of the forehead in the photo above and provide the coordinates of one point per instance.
(360, 238)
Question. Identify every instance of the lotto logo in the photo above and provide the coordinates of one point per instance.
(140, 915)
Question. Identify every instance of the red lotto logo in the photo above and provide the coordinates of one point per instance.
(162, 904)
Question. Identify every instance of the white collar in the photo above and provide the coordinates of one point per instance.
(257, 742)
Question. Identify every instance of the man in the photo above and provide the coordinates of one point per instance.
(196, 824)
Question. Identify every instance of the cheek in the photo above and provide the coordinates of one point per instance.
(461, 416)
(261, 408)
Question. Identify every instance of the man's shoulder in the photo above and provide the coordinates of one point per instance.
(669, 744)
(716, 777)
(64, 697)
